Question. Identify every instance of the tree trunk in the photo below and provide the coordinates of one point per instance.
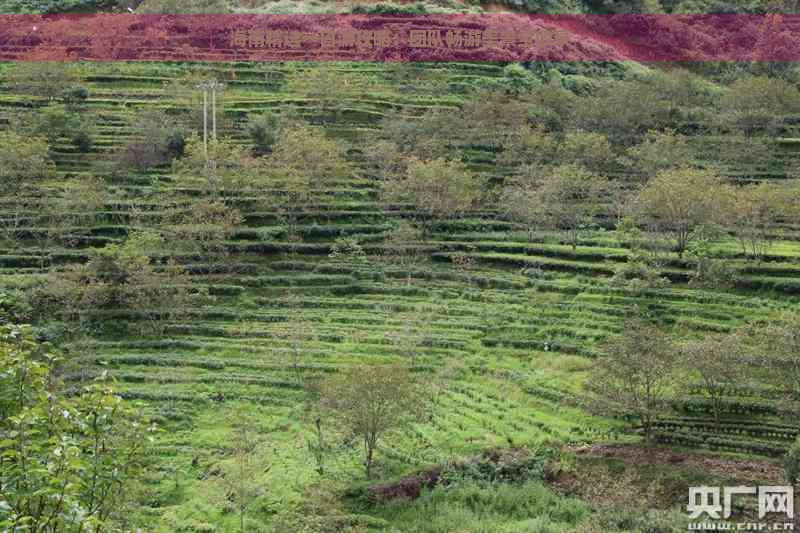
(369, 444)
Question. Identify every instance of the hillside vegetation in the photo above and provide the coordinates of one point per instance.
(490, 231)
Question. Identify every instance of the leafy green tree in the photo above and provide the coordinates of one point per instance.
(67, 462)
(348, 251)
(640, 272)
(401, 245)
(193, 7)
(240, 476)
(428, 137)
(437, 189)
(370, 401)
(758, 104)
(678, 201)
(201, 226)
(116, 277)
(565, 198)
(264, 131)
(791, 463)
(75, 204)
(303, 163)
(715, 362)
(331, 88)
(386, 159)
(776, 348)
(297, 331)
(659, 150)
(621, 110)
(23, 160)
(589, 149)
(635, 373)
(305, 154)
(47, 79)
(220, 168)
(487, 119)
(756, 213)
(709, 272)
(158, 139)
(529, 146)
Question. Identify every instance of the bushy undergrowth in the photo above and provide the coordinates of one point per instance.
(478, 507)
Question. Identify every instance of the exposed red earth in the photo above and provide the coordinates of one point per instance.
(114, 37)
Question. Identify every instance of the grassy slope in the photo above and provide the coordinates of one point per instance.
(510, 351)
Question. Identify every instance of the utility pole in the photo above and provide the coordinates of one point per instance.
(213, 86)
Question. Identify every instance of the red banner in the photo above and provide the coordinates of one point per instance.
(121, 37)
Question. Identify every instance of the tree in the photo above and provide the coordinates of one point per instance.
(23, 160)
(635, 373)
(55, 121)
(68, 459)
(386, 159)
(756, 212)
(75, 204)
(709, 272)
(678, 201)
(428, 137)
(264, 130)
(222, 167)
(716, 361)
(329, 87)
(623, 110)
(303, 163)
(438, 189)
(565, 198)
(758, 104)
(47, 79)
(239, 476)
(201, 226)
(158, 139)
(659, 150)
(487, 119)
(401, 245)
(413, 333)
(370, 401)
(777, 350)
(641, 271)
(791, 463)
(297, 331)
(116, 277)
(306, 151)
(528, 146)
(589, 149)
(348, 251)
(195, 7)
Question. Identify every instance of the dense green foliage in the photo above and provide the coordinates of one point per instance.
(67, 461)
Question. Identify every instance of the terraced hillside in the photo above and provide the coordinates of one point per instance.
(504, 325)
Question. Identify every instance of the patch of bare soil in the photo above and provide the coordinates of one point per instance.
(763, 471)
(614, 477)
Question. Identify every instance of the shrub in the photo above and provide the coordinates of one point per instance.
(263, 130)
(74, 96)
(48, 459)
(47, 79)
(82, 141)
(159, 140)
(197, 7)
(115, 277)
(791, 463)
(22, 160)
